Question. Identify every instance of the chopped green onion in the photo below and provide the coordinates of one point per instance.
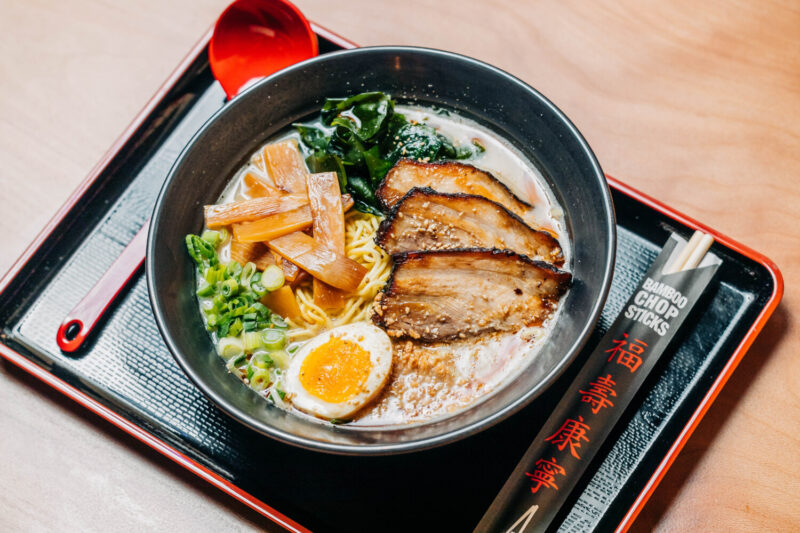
(235, 328)
(273, 339)
(201, 251)
(261, 310)
(215, 274)
(206, 289)
(292, 349)
(260, 380)
(278, 321)
(234, 268)
(272, 278)
(247, 273)
(280, 358)
(211, 237)
(229, 347)
(213, 321)
(242, 301)
(280, 393)
(236, 361)
(252, 341)
(256, 286)
(262, 360)
(223, 235)
(229, 287)
(258, 289)
(251, 322)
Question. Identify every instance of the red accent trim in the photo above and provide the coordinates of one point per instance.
(250, 500)
(732, 363)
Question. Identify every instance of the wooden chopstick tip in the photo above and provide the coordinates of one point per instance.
(692, 253)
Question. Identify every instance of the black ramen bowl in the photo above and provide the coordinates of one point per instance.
(493, 98)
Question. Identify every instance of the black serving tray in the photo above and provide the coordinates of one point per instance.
(126, 374)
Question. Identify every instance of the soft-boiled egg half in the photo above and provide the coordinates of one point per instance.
(338, 372)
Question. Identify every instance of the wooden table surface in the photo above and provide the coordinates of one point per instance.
(695, 103)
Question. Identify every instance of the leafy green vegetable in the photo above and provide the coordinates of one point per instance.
(361, 190)
(313, 137)
(376, 165)
(416, 141)
(363, 114)
(361, 137)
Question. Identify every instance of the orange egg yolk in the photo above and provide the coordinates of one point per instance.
(335, 371)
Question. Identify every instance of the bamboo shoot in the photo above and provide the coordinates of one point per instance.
(219, 215)
(273, 226)
(324, 198)
(286, 167)
(252, 252)
(282, 302)
(307, 253)
(256, 187)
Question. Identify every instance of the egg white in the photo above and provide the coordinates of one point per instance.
(371, 339)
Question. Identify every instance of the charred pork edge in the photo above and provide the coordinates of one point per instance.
(399, 259)
(387, 222)
(379, 190)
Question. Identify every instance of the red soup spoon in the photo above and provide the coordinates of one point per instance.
(252, 39)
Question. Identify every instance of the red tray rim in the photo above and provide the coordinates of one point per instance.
(248, 499)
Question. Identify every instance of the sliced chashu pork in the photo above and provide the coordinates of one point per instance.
(425, 219)
(448, 177)
(441, 295)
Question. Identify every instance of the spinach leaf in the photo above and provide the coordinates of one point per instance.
(376, 165)
(313, 137)
(363, 114)
(347, 146)
(361, 190)
(416, 141)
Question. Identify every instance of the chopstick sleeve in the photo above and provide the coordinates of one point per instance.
(532, 497)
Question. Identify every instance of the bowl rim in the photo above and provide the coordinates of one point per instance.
(448, 436)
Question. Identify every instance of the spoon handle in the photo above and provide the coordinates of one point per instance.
(82, 319)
